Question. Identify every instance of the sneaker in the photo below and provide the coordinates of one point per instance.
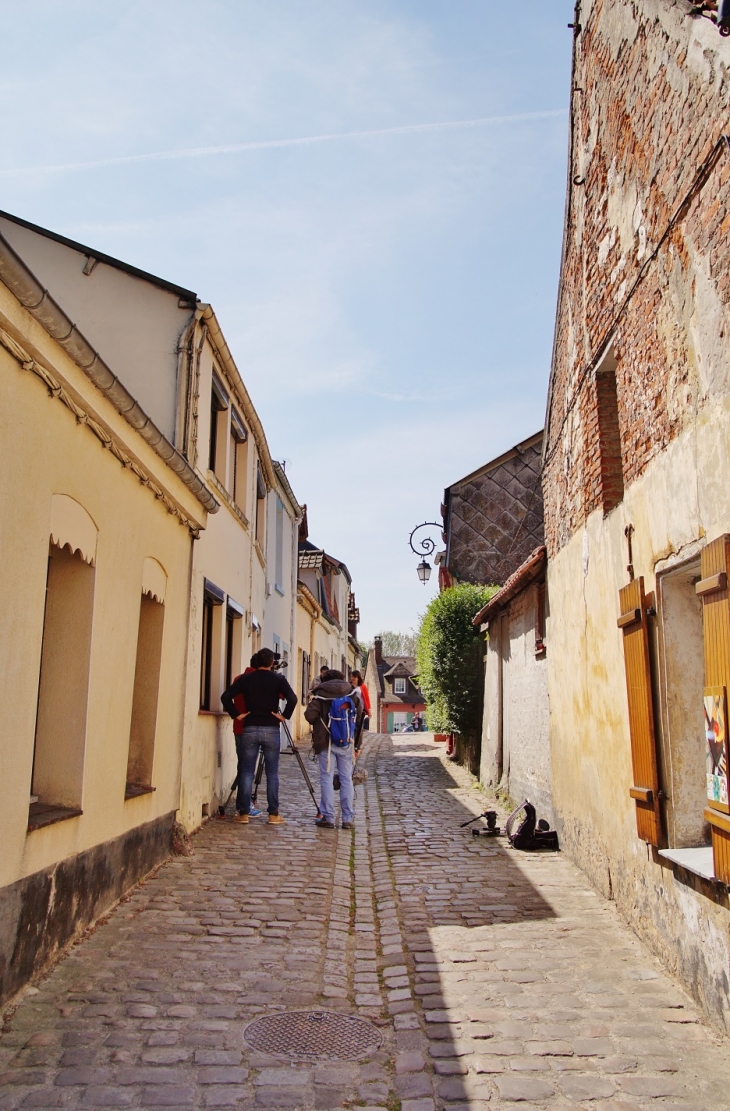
(242, 819)
(276, 820)
(323, 823)
(348, 825)
(254, 813)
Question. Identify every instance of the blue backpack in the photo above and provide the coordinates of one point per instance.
(342, 720)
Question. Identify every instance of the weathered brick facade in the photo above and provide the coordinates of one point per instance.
(637, 446)
(649, 105)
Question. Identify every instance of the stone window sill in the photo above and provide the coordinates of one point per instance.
(47, 814)
(698, 861)
(134, 790)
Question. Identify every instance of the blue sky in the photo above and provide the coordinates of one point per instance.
(389, 298)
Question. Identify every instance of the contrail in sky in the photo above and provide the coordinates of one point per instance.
(265, 144)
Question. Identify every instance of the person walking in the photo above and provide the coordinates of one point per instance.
(262, 690)
(358, 681)
(336, 756)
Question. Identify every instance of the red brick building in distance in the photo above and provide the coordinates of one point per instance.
(394, 695)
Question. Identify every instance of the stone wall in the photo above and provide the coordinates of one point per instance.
(638, 434)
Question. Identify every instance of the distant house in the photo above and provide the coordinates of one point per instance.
(394, 694)
(493, 517)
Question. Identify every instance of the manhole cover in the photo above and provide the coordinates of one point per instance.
(313, 1036)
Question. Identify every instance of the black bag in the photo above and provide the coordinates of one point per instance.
(530, 834)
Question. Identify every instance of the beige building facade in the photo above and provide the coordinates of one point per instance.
(150, 546)
(97, 545)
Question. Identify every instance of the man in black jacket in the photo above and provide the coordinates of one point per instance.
(262, 691)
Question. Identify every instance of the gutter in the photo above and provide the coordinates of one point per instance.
(49, 314)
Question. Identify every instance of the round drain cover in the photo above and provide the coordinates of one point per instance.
(313, 1036)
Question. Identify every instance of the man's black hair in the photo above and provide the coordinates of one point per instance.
(332, 674)
(265, 657)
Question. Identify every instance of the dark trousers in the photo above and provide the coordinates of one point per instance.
(263, 738)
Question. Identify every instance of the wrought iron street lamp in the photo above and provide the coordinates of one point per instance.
(423, 548)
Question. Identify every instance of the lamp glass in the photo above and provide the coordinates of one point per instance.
(424, 571)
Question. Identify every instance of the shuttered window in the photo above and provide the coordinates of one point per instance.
(713, 590)
(645, 788)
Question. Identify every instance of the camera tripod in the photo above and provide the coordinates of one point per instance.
(291, 747)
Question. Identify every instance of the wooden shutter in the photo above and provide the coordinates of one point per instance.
(645, 789)
(713, 591)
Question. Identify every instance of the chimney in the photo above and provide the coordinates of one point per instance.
(378, 645)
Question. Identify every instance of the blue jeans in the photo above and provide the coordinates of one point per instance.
(341, 761)
(248, 744)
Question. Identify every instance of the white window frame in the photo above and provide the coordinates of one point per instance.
(400, 685)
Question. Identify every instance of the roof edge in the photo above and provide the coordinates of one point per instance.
(24, 285)
(110, 260)
(522, 577)
(518, 449)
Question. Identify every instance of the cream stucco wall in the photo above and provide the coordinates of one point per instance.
(681, 501)
(228, 556)
(515, 737)
(134, 324)
(47, 452)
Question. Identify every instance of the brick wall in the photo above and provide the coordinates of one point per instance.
(651, 88)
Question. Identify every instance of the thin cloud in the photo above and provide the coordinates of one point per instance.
(266, 144)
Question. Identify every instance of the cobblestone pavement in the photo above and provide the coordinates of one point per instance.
(497, 979)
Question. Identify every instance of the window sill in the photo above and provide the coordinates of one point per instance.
(47, 814)
(134, 790)
(213, 714)
(228, 501)
(278, 589)
(698, 861)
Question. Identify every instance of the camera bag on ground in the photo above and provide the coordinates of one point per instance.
(530, 833)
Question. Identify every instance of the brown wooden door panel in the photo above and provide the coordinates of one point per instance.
(645, 788)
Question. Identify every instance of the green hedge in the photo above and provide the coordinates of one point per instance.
(450, 658)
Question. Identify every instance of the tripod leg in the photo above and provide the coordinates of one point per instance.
(222, 809)
(303, 770)
(257, 776)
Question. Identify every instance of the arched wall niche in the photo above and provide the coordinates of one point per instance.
(72, 527)
(154, 580)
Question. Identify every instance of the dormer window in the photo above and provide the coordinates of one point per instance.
(399, 686)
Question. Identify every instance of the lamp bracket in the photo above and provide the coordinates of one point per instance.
(426, 546)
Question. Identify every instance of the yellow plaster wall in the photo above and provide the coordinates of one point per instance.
(681, 501)
(43, 451)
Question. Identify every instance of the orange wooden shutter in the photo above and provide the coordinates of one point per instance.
(645, 789)
(713, 591)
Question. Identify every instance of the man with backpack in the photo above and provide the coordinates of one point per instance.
(333, 712)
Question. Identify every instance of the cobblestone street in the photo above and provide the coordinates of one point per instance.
(496, 979)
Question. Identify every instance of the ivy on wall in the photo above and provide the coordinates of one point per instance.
(450, 657)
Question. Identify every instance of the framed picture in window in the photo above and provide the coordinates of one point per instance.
(716, 748)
